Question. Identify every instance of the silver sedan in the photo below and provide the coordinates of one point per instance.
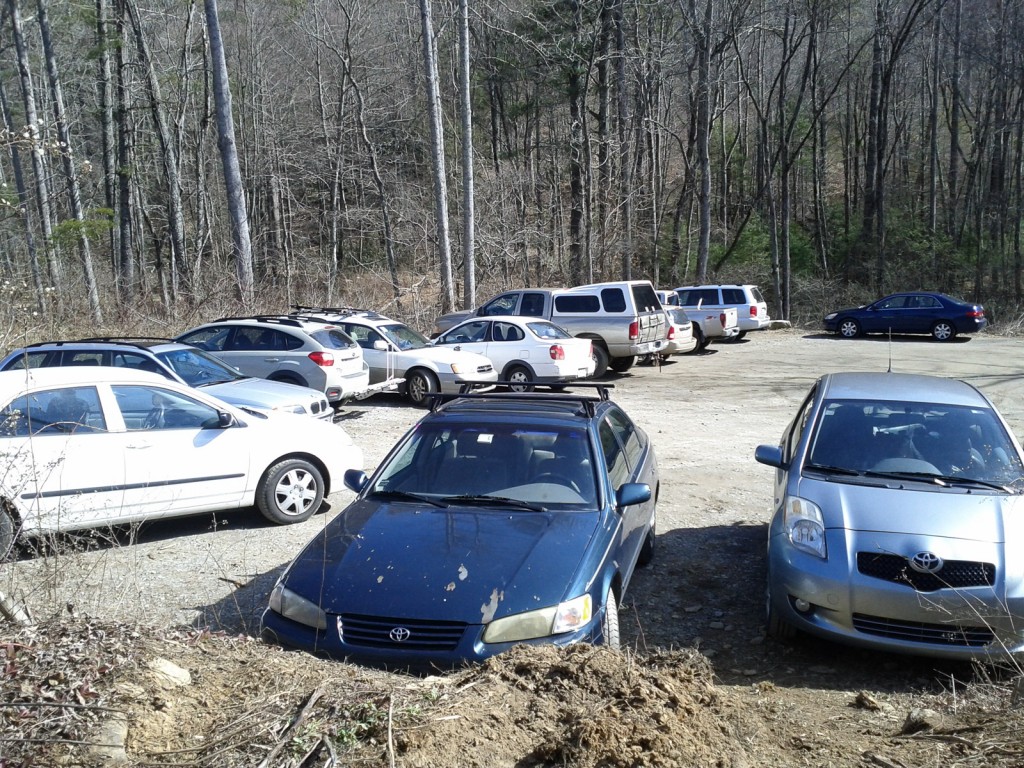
(898, 519)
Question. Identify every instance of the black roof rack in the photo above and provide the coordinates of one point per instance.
(134, 341)
(314, 313)
(271, 319)
(587, 402)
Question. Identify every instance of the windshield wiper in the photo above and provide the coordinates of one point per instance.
(496, 501)
(962, 481)
(943, 480)
(405, 496)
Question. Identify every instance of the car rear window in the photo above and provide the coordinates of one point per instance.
(644, 298)
(333, 338)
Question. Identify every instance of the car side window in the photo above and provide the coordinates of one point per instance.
(577, 303)
(145, 408)
(27, 360)
(56, 411)
(468, 333)
(362, 335)
(507, 332)
(896, 302)
(532, 305)
(613, 299)
(502, 305)
(733, 296)
(627, 434)
(614, 455)
(211, 339)
(797, 427)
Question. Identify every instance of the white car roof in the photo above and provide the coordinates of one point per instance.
(14, 382)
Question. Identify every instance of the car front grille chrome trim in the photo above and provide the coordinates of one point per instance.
(914, 631)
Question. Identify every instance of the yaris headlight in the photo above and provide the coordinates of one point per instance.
(805, 526)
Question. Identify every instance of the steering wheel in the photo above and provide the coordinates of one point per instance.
(154, 419)
(554, 477)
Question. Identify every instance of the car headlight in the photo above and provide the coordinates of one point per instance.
(296, 608)
(805, 526)
(457, 369)
(831, 315)
(553, 620)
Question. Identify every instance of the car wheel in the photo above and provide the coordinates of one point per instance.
(6, 534)
(622, 364)
(849, 328)
(610, 622)
(775, 625)
(698, 335)
(943, 331)
(291, 491)
(739, 336)
(520, 377)
(419, 385)
(647, 549)
(600, 355)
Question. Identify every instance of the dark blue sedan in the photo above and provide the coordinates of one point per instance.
(498, 519)
(933, 313)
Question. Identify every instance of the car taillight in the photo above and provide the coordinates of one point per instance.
(634, 330)
(671, 332)
(978, 313)
(557, 352)
(753, 310)
(325, 359)
(721, 319)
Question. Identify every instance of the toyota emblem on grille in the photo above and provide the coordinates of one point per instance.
(399, 634)
(926, 562)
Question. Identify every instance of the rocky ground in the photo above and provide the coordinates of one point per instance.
(149, 633)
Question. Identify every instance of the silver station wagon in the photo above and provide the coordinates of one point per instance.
(899, 519)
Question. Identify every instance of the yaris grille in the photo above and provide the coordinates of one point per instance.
(915, 631)
(954, 574)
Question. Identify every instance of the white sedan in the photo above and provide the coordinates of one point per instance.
(85, 447)
(525, 350)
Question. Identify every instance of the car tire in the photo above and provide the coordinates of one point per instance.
(419, 385)
(522, 378)
(647, 549)
(739, 336)
(291, 491)
(610, 621)
(698, 335)
(943, 330)
(601, 360)
(776, 626)
(622, 364)
(849, 328)
(6, 535)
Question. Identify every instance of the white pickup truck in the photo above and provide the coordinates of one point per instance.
(708, 324)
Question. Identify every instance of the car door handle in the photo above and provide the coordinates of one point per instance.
(140, 446)
(272, 359)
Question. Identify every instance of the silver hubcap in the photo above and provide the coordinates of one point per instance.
(296, 491)
(849, 330)
(942, 332)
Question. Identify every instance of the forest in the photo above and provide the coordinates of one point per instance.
(159, 154)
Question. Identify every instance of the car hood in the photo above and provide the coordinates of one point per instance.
(457, 564)
(951, 513)
(262, 393)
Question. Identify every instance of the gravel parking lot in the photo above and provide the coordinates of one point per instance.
(705, 413)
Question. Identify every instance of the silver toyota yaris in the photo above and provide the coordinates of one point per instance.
(898, 519)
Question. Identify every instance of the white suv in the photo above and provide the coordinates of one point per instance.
(315, 355)
(393, 349)
(751, 308)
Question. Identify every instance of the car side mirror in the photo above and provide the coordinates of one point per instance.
(381, 345)
(355, 480)
(629, 494)
(225, 420)
(770, 455)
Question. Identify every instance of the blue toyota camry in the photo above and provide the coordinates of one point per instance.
(497, 519)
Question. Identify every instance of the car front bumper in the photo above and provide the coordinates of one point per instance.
(832, 599)
(466, 647)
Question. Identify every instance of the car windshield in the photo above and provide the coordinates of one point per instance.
(199, 368)
(403, 337)
(918, 439)
(536, 465)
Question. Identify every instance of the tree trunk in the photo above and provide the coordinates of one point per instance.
(468, 202)
(437, 157)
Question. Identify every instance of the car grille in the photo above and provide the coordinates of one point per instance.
(936, 634)
(955, 574)
(484, 368)
(382, 632)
